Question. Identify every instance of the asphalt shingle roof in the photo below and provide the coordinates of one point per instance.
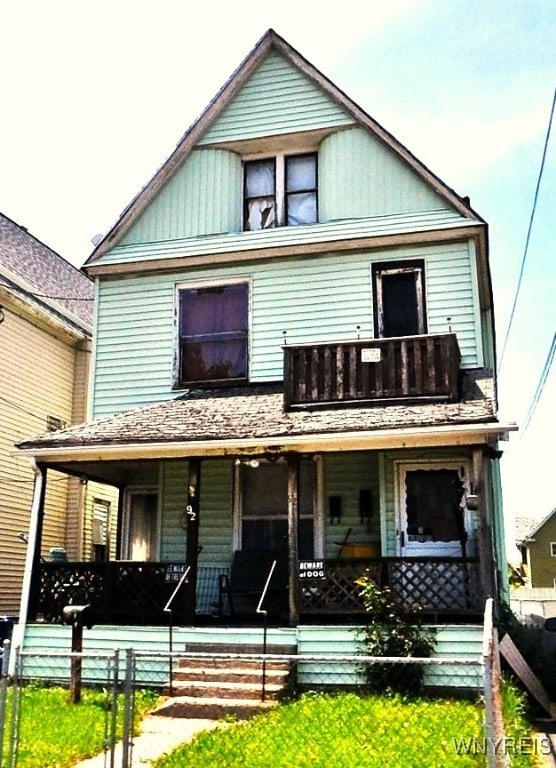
(258, 412)
(45, 270)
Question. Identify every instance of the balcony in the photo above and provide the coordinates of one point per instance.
(408, 368)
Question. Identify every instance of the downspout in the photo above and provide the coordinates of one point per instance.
(32, 558)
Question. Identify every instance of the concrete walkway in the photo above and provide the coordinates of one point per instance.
(159, 735)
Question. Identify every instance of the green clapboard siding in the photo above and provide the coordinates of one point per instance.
(320, 299)
(203, 197)
(454, 641)
(344, 475)
(359, 177)
(277, 98)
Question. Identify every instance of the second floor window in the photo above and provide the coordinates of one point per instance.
(213, 335)
(280, 191)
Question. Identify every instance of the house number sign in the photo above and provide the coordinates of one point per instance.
(371, 355)
(311, 569)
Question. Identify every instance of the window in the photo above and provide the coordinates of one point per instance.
(553, 549)
(399, 299)
(100, 523)
(213, 333)
(280, 191)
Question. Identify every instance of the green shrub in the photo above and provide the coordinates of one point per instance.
(391, 632)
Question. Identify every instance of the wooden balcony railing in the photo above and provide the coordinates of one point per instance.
(393, 369)
(432, 585)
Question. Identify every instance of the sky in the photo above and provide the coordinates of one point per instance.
(95, 96)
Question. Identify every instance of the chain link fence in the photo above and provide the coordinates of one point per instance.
(117, 677)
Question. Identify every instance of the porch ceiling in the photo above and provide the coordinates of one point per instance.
(252, 419)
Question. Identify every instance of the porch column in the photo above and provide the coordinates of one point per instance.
(192, 542)
(293, 528)
(486, 543)
(31, 577)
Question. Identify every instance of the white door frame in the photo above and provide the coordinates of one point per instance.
(129, 493)
(404, 548)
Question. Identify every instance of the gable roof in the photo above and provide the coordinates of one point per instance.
(269, 43)
(528, 533)
(40, 275)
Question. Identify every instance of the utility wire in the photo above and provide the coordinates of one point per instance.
(540, 385)
(527, 239)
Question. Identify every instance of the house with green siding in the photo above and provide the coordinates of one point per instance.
(293, 385)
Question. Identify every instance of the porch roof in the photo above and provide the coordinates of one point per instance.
(221, 421)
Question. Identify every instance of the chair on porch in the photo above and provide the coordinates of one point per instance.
(240, 592)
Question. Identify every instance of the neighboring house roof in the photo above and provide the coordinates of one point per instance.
(270, 41)
(40, 275)
(257, 413)
(525, 534)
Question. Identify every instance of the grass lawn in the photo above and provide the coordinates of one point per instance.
(351, 731)
(55, 733)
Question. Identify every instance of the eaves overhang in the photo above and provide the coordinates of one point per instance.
(380, 439)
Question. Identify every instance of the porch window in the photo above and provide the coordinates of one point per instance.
(399, 299)
(213, 333)
(264, 523)
(280, 191)
(100, 526)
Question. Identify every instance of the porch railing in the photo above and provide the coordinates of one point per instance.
(401, 368)
(120, 592)
(435, 584)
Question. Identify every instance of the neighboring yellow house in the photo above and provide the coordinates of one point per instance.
(538, 552)
(46, 316)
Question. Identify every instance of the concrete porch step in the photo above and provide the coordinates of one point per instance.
(228, 674)
(212, 708)
(228, 690)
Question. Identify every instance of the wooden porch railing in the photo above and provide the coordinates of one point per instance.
(120, 592)
(434, 584)
(136, 592)
(401, 368)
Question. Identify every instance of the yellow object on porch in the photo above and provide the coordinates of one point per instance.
(360, 550)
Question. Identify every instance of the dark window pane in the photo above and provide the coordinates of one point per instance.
(399, 303)
(433, 505)
(213, 333)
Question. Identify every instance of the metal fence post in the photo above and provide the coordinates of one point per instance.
(16, 710)
(113, 714)
(3, 694)
(127, 731)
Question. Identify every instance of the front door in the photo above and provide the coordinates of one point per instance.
(140, 526)
(432, 520)
(264, 507)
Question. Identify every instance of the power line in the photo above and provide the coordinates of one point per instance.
(527, 239)
(540, 385)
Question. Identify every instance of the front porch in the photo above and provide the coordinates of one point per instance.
(135, 593)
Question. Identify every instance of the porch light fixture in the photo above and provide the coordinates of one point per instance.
(253, 463)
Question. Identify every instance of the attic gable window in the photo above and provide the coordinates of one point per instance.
(213, 333)
(280, 191)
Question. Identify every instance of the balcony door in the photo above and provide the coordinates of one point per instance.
(432, 518)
